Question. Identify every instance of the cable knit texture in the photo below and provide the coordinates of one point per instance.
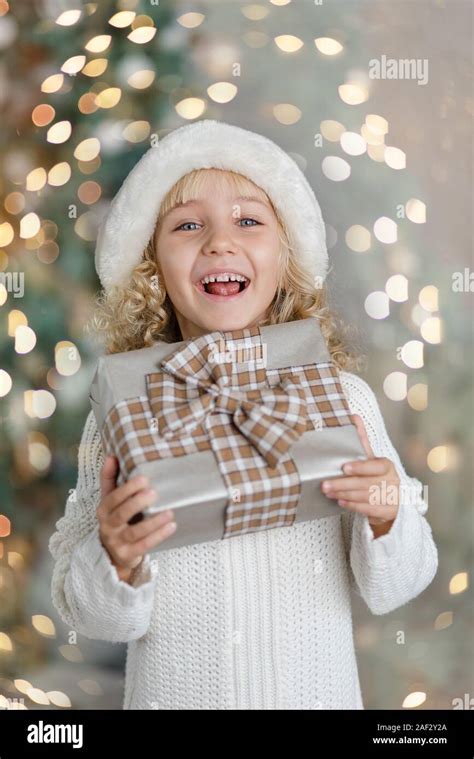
(259, 621)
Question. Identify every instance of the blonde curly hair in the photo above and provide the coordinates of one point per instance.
(140, 313)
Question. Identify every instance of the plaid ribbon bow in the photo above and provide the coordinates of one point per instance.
(190, 388)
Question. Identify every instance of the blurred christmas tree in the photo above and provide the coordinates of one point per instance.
(84, 90)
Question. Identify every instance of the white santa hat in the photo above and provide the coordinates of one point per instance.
(131, 218)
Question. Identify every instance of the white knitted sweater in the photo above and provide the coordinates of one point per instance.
(259, 621)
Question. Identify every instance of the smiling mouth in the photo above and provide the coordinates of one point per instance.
(223, 287)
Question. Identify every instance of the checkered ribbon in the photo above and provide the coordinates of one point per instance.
(270, 419)
(191, 394)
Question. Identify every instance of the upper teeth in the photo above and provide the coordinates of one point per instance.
(224, 278)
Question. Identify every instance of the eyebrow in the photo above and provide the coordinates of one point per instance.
(249, 198)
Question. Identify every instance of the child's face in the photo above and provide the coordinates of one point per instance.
(216, 234)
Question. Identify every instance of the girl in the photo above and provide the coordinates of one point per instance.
(262, 620)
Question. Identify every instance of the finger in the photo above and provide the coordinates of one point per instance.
(131, 534)
(358, 508)
(373, 494)
(349, 483)
(155, 538)
(120, 516)
(371, 467)
(360, 426)
(123, 492)
(360, 496)
(108, 475)
(373, 512)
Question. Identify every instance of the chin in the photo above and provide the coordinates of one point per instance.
(227, 325)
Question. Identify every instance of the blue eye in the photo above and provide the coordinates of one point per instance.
(185, 224)
(247, 218)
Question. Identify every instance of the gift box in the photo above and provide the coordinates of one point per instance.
(235, 430)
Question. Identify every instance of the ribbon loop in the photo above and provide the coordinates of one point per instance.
(271, 419)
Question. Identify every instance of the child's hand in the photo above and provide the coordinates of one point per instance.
(372, 489)
(126, 544)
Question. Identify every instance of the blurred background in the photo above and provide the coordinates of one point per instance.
(84, 88)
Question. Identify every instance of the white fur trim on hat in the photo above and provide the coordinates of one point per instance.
(130, 221)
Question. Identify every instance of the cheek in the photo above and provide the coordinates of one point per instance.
(268, 260)
(176, 269)
(177, 283)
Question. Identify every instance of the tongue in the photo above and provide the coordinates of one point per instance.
(223, 288)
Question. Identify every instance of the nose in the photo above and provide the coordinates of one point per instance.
(219, 241)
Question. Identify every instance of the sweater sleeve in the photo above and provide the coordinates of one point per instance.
(394, 568)
(85, 589)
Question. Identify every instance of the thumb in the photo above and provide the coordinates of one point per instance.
(108, 475)
(363, 435)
